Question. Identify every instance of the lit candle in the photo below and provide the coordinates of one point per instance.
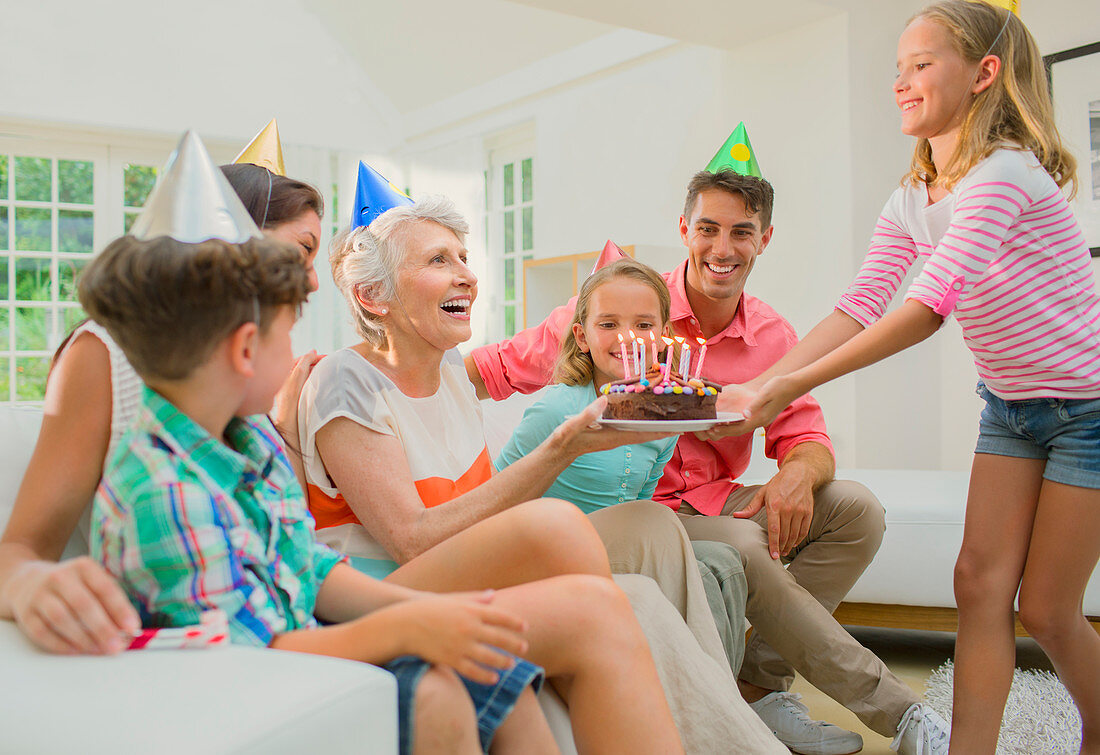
(634, 350)
(622, 353)
(702, 356)
(668, 358)
(642, 357)
(653, 341)
(685, 361)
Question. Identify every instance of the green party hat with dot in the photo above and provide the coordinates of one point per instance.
(736, 155)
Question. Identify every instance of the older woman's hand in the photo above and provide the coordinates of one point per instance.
(285, 411)
(583, 434)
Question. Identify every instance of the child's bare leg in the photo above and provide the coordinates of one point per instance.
(525, 730)
(1065, 546)
(583, 632)
(443, 719)
(530, 541)
(1000, 510)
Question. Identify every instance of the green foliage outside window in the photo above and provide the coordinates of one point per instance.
(137, 182)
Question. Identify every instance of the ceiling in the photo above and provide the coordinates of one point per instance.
(423, 52)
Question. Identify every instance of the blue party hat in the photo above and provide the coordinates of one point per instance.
(373, 196)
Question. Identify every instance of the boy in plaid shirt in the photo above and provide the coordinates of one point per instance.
(200, 509)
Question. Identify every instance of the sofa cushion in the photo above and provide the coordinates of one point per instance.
(231, 699)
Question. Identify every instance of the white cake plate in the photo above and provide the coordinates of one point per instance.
(670, 425)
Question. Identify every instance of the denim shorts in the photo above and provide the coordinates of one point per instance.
(1064, 431)
(492, 702)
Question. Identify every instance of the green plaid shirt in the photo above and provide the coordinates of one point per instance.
(187, 523)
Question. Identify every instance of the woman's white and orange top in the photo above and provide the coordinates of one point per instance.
(442, 436)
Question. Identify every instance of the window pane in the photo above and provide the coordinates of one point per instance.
(67, 273)
(137, 182)
(4, 342)
(509, 321)
(5, 378)
(509, 279)
(32, 229)
(528, 181)
(528, 230)
(74, 179)
(31, 328)
(509, 232)
(128, 219)
(70, 318)
(74, 230)
(32, 279)
(485, 175)
(32, 179)
(3, 186)
(30, 378)
(509, 184)
(3, 227)
(3, 293)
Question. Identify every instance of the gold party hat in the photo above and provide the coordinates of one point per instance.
(265, 150)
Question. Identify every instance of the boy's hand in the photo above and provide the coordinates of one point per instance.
(75, 606)
(464, 633)
(582, 435)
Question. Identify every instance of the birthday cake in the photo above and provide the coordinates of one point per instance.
(653, 398)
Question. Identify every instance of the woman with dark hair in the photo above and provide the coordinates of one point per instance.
(91, 397)
(282, 207)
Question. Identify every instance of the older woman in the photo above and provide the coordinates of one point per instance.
(398, 473)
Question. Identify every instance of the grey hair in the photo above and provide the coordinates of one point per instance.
(368, 257)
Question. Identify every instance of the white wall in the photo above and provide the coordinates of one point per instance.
(221, 67)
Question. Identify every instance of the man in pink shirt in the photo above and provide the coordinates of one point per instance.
(825, 531)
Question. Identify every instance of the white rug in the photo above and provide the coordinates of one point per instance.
(1040, 716)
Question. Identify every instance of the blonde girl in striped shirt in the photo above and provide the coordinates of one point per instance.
(983, 208)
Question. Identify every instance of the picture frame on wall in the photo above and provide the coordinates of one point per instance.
(1074, 79)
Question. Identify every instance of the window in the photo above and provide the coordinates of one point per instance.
(510, 230)
(47, 234)
(59, 203)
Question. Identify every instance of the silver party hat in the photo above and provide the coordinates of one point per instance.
(193, 201)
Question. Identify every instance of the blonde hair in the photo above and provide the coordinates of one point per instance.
(369, 256)
(1014, 108)
(574, 367)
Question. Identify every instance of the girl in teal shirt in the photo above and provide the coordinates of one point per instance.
(641, 536)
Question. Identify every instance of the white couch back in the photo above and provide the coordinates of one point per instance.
(19, 427)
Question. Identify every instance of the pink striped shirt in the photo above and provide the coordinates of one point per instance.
(1006, 256)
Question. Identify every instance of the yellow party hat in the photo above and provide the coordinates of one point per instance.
(265, 150)
(1010, 5)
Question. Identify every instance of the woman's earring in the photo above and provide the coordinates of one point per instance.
(383, 311)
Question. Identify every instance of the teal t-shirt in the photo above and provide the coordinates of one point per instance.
(596, 480)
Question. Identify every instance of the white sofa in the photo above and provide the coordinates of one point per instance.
(238, 699)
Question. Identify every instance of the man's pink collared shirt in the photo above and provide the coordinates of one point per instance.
(701, 473)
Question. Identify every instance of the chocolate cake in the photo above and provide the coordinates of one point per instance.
(650, 398)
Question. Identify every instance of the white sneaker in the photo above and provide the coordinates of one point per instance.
(790, 723)
(922, 731)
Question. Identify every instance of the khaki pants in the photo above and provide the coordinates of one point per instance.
(643, 537)
(791, 608)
